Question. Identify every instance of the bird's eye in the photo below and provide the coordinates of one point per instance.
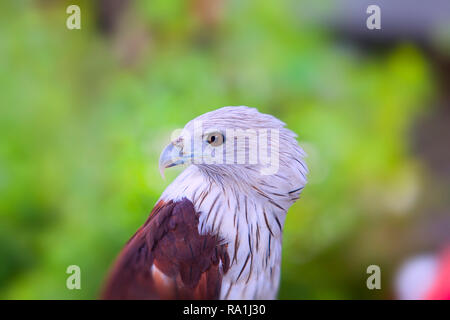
(215, 139)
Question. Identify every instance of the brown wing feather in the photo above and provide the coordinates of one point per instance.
(168, 259)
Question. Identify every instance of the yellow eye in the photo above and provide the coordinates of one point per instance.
(215, 139)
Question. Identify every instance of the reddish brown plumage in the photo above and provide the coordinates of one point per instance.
(187, 263)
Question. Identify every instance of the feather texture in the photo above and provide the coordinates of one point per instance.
(216, 232)
(168, 259)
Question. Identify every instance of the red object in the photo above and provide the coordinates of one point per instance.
(440, 289)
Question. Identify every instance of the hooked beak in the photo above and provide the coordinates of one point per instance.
(171, 156)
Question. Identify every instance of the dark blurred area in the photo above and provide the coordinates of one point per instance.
(84, 114)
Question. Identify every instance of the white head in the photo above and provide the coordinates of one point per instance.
(240, 146)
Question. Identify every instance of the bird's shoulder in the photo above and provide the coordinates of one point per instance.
(167, 258)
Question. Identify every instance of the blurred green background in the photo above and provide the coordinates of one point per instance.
(85, 113)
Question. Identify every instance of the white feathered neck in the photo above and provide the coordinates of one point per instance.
(249, 218)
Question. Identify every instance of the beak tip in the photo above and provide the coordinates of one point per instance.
(161, 172)
(162, 168)
(171, 156)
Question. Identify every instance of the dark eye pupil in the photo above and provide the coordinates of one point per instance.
(213, 138)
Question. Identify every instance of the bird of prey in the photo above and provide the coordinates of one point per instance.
(216, 231)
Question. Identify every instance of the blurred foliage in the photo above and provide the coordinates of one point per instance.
(84, 116)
